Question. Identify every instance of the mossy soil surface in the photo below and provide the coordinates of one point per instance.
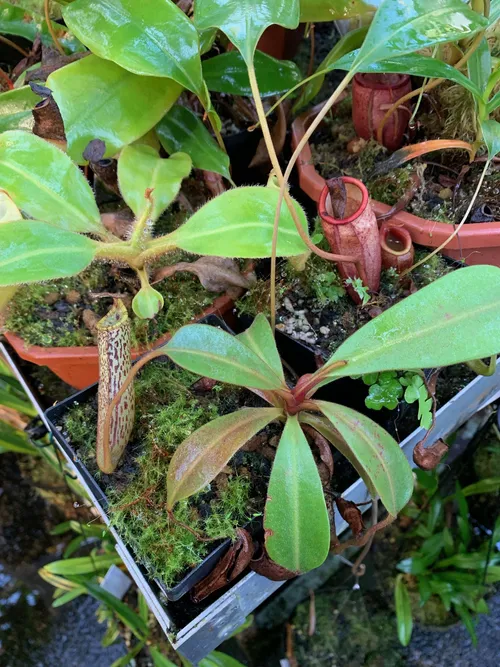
(438, 197)
(315, 309)
(63, 313)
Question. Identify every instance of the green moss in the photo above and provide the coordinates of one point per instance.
(61, 324)
(167, 411)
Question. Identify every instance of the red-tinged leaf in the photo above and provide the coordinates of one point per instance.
(205, 452)
(260, 339)
(296, 520)
(374, 453)
(213, 353)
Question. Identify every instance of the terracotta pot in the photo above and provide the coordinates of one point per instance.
(356, 234)
(476, 243)
(372, 95)
(79, 366)
(396, 247)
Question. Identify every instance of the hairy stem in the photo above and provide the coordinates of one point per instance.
(458, 228)
(142, 224)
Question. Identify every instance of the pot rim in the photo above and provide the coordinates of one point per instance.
(359, 211)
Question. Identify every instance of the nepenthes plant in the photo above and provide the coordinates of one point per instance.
(450, 321)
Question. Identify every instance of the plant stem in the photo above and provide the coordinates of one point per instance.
(458, 228)
(156, 247)
(120, 252)
(50, 28)
(13, 45)
(141, 224)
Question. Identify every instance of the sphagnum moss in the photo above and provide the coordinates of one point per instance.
(167, 411)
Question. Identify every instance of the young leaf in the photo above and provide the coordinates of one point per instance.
(228, 73)
(100, 100)
(374, 453)
(239, 223)
(15, 109)
(202, 456)
(479, 65)
(244, 21)
(259, 338)
(45, 184)
(296, 522)
(404, 27)
(211, 352)
(141, 169)
(403, 611)
(455, 308)
(491, 136)
(182, 130)
(32, 251)
(414, 64)
(148, 38)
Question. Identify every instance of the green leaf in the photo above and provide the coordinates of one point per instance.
(332, 10)
(148, 38)
(10, 400)
(228, 73)
(404, 618)
(469, 561)
(375, 455)
(296, 522)
(15, 109)
(386, 392)
(211, 352)
(218, 659)
(182, 130)
(466, 619)
(259, 338)
(160, 660)
(73, 546)
(488, 485)
(127, 659)
(32, 251)
(140, 168)
(435, 513)
(450, 321)
(84, 565)
(13, 440)
(404, 27)
(347, 43)
(126, 615)
(414, 64)
(479, 65)
(204, 453)
(415, 565)
(69, 596)
(45, 184)
(100, 100)
(244, 21)
(491, 136)
(239, 223)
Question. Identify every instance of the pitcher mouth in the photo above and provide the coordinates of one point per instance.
(382, 81)
(323, 212)
(402, 235)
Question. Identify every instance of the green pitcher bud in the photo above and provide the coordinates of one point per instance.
(147, 302)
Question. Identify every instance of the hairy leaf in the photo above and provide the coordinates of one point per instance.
(450, 321)
(239, 223)
(45, 184)
(403, 611)
(244, 21)
(374, 453)
(228, 73)
(259, 338)
(142, 173)
(15, 109)
(414, 64)
(182, 130)
(100, 100)
(211, 352)
(32, 251)
(203, 454)
(404, 27)
(296, 522)
(149, 38)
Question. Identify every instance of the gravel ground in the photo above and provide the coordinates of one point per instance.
(454, 648)
(75, 639)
